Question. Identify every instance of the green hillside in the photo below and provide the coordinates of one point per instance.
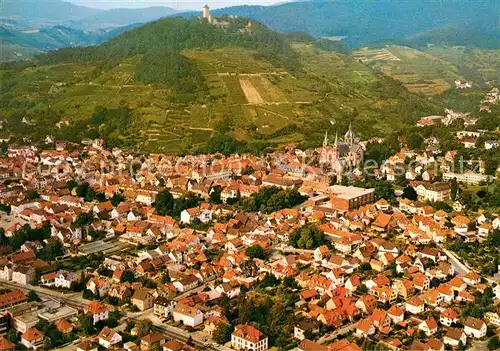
(173, 85)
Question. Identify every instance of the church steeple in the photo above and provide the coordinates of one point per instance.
(336, 139)
(325, 141)
(350, 136)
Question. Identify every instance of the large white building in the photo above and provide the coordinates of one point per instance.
(246, 337)
(467, 177)
(433, 192)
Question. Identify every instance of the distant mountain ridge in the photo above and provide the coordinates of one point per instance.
(29, 27)
(363, 22)
(27, 43)
(58, 12)
(412, 23)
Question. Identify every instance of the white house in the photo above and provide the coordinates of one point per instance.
(190, 214)
(466, 177)
(23, 275)
(454, 336)
(396, 314)
(415, 305)
(188, 315)
(448, 317)
(228, 289)
(429, 326)
(64, 279)
(109, 338)
(246, 337)
(6, 272)
(163, 307)
(185, 284)
(98, 310)
(475, 327)
(33, 339)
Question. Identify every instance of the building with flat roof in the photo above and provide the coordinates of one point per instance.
(468, 177)
(346, 198)
(54, 314)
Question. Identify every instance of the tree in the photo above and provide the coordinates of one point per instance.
(256, 251)
(215, 194)
(345, 180)
(116, 199)
(144, 327)
(51, 250)
(362, 289)
(410, 193)
(308, 237)
(32, 195)
(128, 276)
(441, 205)
(33, 296)
(494, 343)
(86, 323)
(12, 336)
(454, 188)
(71, 184)
(383, 190)
(415, 141)
(84, 219)
(223, 333)
(164, 203)
(82, 189)
(3, 239)
(247, 170)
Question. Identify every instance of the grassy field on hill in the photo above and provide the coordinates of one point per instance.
(434, 70)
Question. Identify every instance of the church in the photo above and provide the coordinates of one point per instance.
(342, 154)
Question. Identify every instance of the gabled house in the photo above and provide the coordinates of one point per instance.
(455, 336)
(98, 310)
(108, 338)
(475, 328)
(143, 299)
(429, 326)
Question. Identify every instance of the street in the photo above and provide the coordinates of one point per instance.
(460, 268)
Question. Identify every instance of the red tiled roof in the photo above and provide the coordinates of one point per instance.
(248, 333)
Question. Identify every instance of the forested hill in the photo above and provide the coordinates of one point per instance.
(161, 43)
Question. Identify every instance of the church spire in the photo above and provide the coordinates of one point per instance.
(336, 139)
(350, 136)
(325, 141)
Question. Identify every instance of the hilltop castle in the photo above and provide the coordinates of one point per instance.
(343, 154)
(207, 15)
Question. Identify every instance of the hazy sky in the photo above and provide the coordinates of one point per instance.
(176, 4)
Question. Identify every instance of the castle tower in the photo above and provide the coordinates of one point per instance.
(206, 12)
